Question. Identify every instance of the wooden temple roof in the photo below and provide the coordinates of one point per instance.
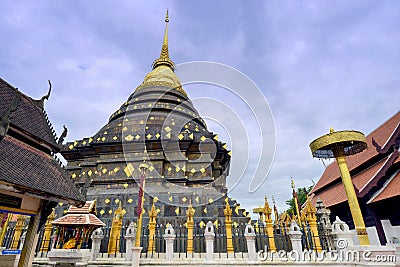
(26, 149)
(29, 118)
(368, 169)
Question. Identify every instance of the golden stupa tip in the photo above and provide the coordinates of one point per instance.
(331, 130)
(166, 17)
(292, 182)
(164, 55)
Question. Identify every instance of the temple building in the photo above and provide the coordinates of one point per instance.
(375, 174)
(158, 123)
(32, 181)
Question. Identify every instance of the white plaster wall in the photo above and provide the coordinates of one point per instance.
(372, 235)
(390, 230)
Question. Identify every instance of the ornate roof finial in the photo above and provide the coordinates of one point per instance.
(164, 56)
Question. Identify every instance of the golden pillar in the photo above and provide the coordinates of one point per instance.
(47, 232)
(190, 226)
(269, 225)
(115, 233)
(228, 225)
(353, 201)
(143, 167)
(152, 226)
(309, 212)
(18, 231)
(339, 145)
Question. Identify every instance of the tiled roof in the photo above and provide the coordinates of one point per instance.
(389, 190)
(381, 135)
(32, 170)
(79, 220)
(29, 117)
(89, 207)
(83, 216)
(336, 194)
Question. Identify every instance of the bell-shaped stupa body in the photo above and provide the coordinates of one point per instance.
(158, 123)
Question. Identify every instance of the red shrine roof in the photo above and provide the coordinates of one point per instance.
(84, 216)
(26, 149)
(365, 168)
(89, 207)
(79, 220)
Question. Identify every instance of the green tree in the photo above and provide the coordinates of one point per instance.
(301, 196)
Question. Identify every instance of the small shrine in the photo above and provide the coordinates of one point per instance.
(74, 229)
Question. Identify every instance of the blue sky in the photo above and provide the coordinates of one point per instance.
(319, 64)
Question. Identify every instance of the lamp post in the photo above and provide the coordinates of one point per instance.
(143, 168)
(296, 202)
(338, 145)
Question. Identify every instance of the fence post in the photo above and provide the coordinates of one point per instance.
(340, 231)
(130, 240)
(169, 237)
(96, 237)
(209, 236)
(251, 242)
(295, 237)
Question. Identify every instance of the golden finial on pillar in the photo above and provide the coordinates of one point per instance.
(190, 226)
(47, 232)
(115, 233)
(152, 225)
(228, 225)
(269, 225)
(18, 231)
(310, 217)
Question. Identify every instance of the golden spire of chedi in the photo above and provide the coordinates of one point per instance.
(163, 73)
(164, 55)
